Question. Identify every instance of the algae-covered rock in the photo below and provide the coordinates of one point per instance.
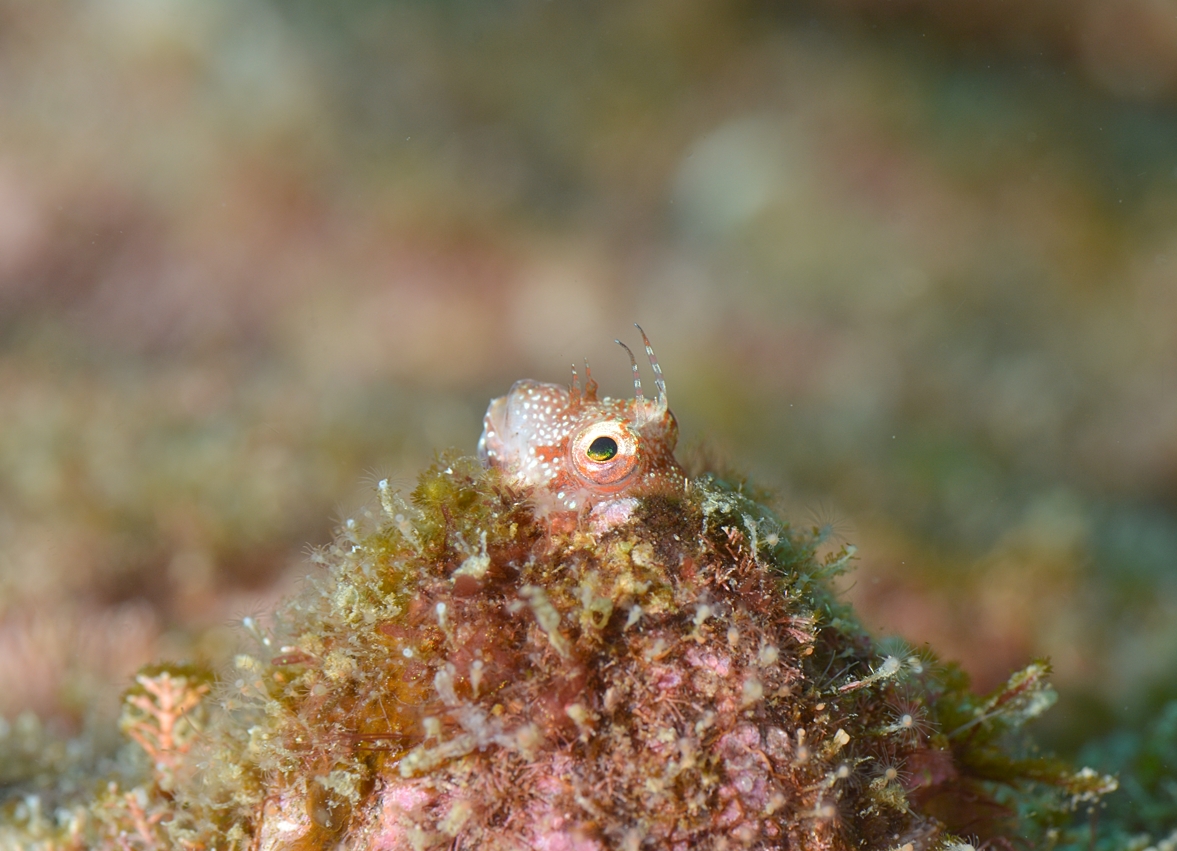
(606, 654)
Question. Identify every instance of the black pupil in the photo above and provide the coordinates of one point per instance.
(602, 449)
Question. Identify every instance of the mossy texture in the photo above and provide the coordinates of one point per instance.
(459, 674)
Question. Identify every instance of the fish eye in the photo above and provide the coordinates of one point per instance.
(604, 454)
(604, 448)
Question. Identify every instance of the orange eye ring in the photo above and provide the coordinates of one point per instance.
(604, 454)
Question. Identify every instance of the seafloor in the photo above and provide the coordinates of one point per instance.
(909, 265)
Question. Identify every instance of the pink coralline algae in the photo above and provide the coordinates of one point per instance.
(570, 645)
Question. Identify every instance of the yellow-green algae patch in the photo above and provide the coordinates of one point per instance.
(458, 674)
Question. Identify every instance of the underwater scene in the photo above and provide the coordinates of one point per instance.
(331, 515)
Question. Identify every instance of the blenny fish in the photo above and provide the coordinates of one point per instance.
(582, 455)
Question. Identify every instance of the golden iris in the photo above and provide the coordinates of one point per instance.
(602, 449)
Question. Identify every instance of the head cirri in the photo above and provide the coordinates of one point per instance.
(577, 453)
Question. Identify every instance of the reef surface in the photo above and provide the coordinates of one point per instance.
(566, 644)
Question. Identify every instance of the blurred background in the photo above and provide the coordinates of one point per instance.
(910, 265)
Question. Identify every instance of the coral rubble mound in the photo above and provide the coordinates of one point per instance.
(460, 674)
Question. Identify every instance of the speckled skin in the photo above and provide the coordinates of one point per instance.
(539, 435)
